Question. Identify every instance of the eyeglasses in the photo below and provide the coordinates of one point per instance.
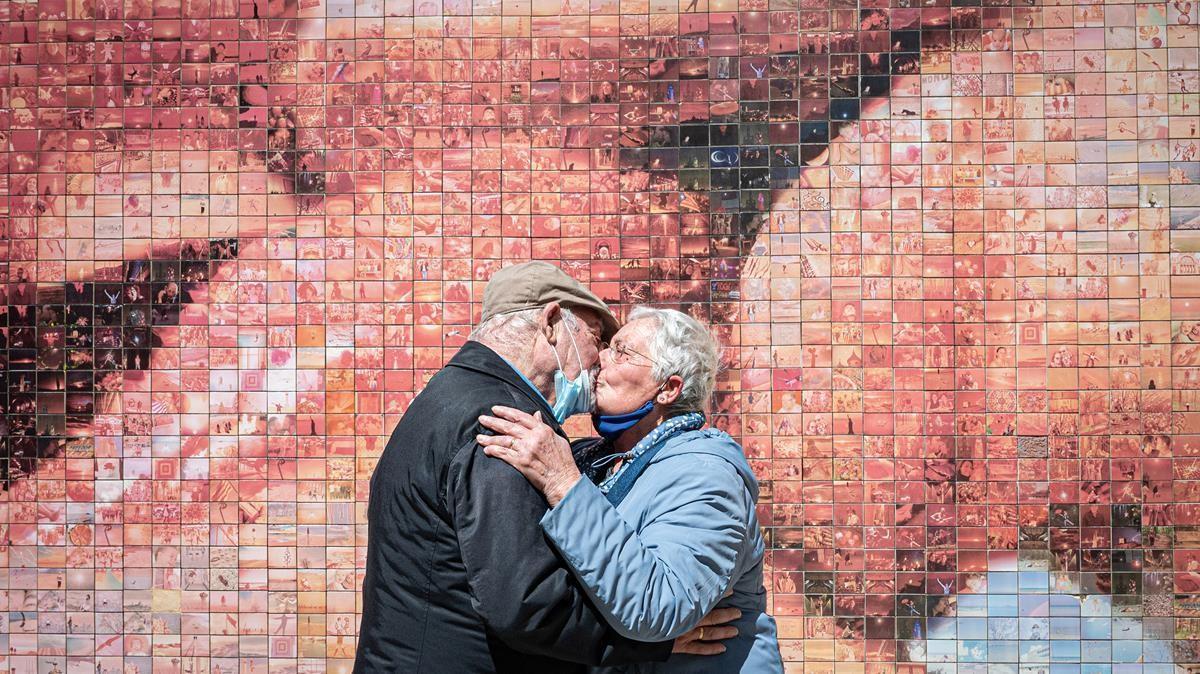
(621, 353)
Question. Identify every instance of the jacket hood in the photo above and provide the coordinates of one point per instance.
(713, 442)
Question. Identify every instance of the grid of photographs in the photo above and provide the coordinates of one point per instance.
(950, 248)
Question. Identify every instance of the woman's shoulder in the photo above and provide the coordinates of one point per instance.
(709, 450)
(709, 441)
(687, 474)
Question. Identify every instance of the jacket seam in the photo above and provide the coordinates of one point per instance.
(428, 592)
(705, 457)
(443, 497)
(470, 578)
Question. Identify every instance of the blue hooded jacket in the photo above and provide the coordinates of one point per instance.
(658, 562)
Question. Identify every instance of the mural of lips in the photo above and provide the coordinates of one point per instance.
(949, 247)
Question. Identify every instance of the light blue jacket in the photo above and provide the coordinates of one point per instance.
(660, 561)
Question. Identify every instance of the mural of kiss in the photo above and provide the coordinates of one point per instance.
(949, 248)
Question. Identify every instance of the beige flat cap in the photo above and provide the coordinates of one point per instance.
(535, 284)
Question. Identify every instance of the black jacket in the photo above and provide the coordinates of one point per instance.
(459, 576)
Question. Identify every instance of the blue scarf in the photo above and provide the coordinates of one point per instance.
(611, 426)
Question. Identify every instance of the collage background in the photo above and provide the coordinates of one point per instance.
(950, 251)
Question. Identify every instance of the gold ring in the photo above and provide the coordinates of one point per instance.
(701, 634)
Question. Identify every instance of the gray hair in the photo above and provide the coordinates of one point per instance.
(514, 327)
(682, 346)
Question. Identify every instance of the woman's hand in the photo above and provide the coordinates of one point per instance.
(526, 443)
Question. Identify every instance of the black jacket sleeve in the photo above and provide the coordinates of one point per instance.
(519, 585)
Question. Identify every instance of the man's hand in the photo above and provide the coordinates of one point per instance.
(706, 638)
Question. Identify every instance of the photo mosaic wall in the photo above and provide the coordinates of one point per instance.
(951, 250)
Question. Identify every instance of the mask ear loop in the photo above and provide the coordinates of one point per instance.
(556, 358)
(574, 345)
(600, 463)
(589, 383)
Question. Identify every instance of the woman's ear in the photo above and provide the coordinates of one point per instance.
(671, 391)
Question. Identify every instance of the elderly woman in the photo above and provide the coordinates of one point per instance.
(670, 532)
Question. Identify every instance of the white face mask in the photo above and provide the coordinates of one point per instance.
(572, 396)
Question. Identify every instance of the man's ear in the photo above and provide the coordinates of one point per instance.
(551, 315)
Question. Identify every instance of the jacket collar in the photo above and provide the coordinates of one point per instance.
(479, 358)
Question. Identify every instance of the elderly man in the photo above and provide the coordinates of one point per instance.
(460, 577)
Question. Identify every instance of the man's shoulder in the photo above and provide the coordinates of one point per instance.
(449, 406)
(455, 391)
(437, 416)
(475, 380)
(464, 382)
